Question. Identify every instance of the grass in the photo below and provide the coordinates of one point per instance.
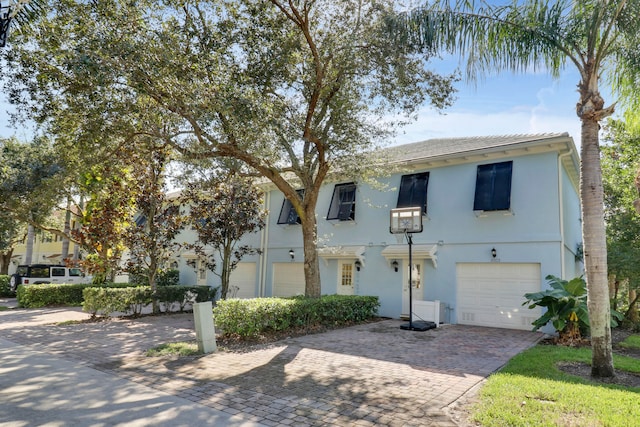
(175, 349)
(531, 391)
(633, 341)
(4, 308)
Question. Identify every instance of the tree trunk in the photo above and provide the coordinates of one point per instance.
(31, 234)
(5, 259)
(67, 230)
(595, 250)
(311, 263)
(633, 312)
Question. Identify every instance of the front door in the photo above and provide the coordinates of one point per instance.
(416, 280)
(202, 273)
(345, 277)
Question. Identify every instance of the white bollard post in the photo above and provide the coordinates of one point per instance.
(205, 331)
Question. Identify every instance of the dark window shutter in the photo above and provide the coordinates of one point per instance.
(413, 191)
(493, 187)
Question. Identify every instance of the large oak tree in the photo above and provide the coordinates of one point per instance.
(293, 89)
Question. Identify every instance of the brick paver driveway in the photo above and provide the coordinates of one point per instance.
(373, 374)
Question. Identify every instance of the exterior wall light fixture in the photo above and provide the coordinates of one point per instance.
(494, 253)
(292, 254)
(395, 264)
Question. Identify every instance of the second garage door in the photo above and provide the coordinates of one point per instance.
(288, 279)
(242, 283)
(491, 294)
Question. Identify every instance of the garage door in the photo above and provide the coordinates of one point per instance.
(242, 283)
(492, 294)
(288, 279)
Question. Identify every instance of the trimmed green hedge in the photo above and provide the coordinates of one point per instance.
(110, 297)
(249, 318)
(4, 286)
(35, 296)
(106, 300)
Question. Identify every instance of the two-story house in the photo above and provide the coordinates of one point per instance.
(500, 213)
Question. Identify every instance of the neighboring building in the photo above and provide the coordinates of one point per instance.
(500, 214)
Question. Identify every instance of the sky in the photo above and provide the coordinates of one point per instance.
(498, 105)
(506, 104)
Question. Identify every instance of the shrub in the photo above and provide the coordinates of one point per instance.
(566, 304)
(107, 300)
(35, 296)
(4, 286)
(169, 277)
(252, 317)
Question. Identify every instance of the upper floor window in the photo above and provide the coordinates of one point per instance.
(288, 214)
(493, 187)
(343, 202)
(413, 191)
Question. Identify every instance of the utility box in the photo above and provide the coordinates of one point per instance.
(205, 331)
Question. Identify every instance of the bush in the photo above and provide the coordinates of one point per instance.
(107, 300)
(35, 296)
(566, 304)
(169, 296)
(249, 318)
(169, 277)
(4, 286)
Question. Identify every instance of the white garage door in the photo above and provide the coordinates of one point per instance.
(242, 283)
(492, 294)
(288, 279)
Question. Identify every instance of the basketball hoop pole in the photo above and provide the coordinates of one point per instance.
(410, 241)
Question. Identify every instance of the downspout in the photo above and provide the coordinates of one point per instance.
(264, 247)
(563, 267)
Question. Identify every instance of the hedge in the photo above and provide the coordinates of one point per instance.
(107, 300)
(250, 318)
(35, 296)
(4, 286)
(110, 297)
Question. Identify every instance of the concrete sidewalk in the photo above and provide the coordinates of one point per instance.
(37, 389)
(366, 375)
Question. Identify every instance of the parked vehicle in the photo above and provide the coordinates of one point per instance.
(46, 273)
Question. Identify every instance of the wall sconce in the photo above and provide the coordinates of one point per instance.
(358, 265)
(395, 264)
(292, 254)
(494, 253)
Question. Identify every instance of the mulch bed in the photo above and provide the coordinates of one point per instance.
(622, 378)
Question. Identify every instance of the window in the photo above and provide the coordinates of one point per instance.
(493, 187)
(413, 191)
(288, 214)
(343, 202)
(39, 271)
(57, 272)
(75, 272)
(346, 275)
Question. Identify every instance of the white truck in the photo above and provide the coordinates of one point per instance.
(46, 273)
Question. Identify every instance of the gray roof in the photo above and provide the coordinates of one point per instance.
(446, 147)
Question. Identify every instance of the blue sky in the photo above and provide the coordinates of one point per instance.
(498, 105)
(503, 105)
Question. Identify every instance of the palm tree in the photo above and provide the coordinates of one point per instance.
(600, 38)
(19, 13)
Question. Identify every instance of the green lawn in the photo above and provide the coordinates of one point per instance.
(175, 349)
(531, 391)
(632, 341)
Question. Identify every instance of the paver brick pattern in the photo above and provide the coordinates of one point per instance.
(368, 375)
